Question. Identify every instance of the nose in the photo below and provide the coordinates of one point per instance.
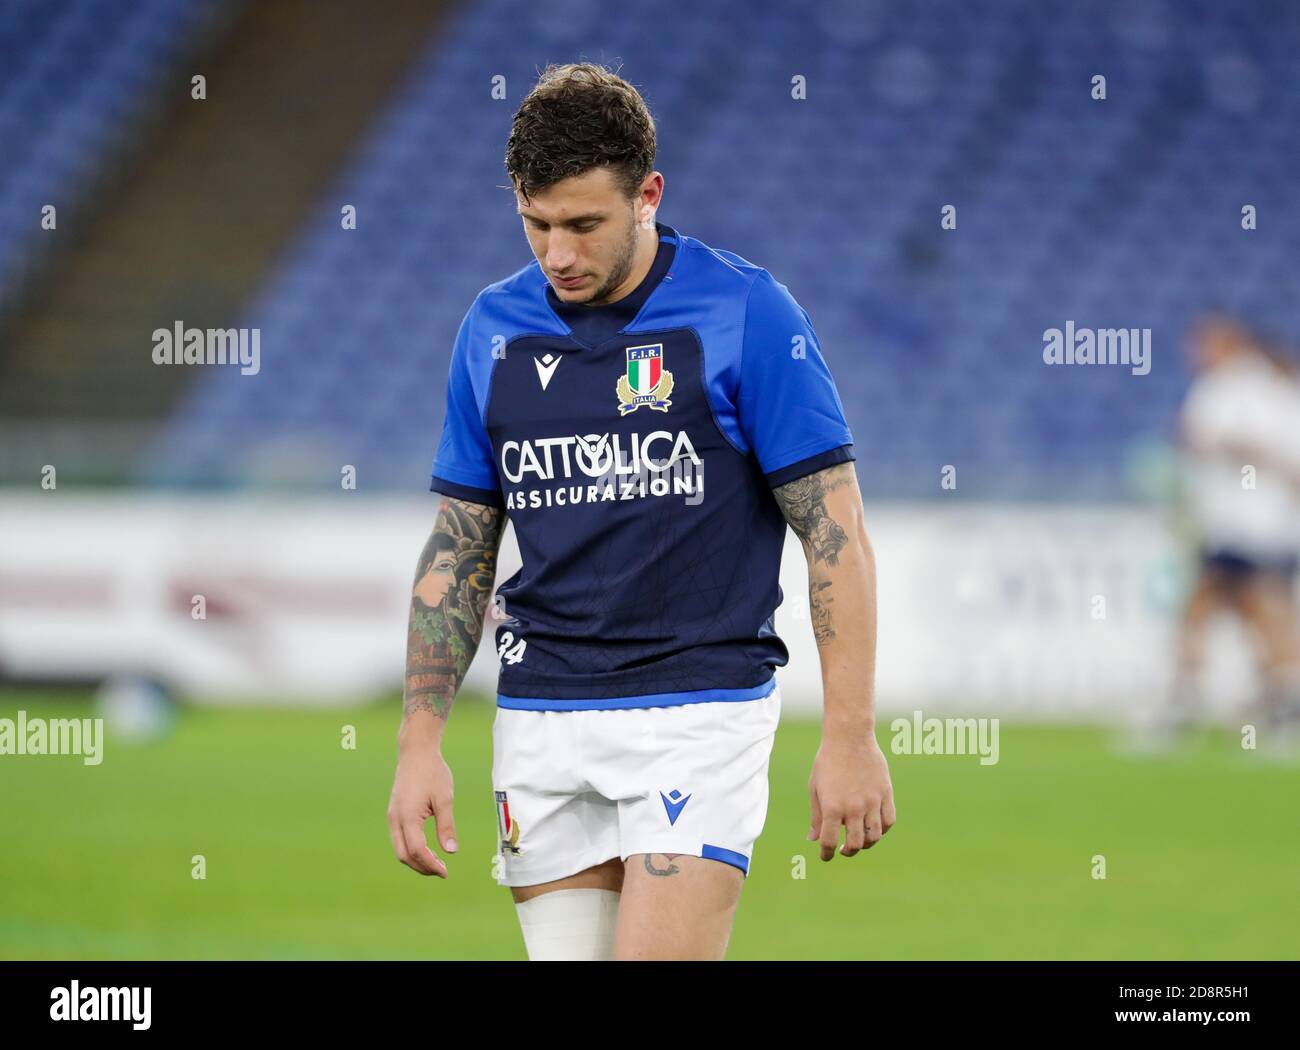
(561, 253)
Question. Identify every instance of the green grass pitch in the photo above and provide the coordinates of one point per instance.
(986, 862)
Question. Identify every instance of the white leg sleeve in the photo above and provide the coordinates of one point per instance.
(570, 925)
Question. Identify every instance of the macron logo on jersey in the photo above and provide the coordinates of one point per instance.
(676, 806)
(546, 366)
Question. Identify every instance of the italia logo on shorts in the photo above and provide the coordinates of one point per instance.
(646, 381)
(509, 827)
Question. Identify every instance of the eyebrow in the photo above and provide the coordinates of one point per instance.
(575, 221)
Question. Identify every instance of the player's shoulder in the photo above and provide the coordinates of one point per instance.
(717, 264)
(526, 282)
(514, 303)
(727, 271)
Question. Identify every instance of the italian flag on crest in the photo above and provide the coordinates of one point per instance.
(643, 372)
(646, 381)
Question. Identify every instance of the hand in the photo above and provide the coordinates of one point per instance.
(422, 788)
(850, 787)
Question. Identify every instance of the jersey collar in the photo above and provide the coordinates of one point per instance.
(592, 325)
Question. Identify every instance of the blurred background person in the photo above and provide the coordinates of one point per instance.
(1240, 438)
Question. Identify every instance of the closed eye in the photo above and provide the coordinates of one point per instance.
(542, 227)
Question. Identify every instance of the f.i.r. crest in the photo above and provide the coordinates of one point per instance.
(646, 381)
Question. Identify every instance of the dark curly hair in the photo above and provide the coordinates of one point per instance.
(580, 116)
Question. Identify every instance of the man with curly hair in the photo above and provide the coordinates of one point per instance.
(650, 413)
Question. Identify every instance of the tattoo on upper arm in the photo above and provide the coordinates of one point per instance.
(803, 501)
(453, 582)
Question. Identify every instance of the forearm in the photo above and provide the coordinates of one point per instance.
(825, 511)
(453, 583)
(843, 602)
(434, 672)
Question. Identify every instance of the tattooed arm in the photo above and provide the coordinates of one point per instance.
(825, 511)
(453, 582)
(850, 784)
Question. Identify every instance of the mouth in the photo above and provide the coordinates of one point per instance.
(570, 282)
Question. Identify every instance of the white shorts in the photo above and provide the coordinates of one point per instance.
(575, 788)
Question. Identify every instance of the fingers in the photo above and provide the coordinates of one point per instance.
(872, 824)
(445, 822)
(395, 832)
(410, 845)
(417, 854)
(863, 830)
(830, 834)
(856, 837)
(814, 829)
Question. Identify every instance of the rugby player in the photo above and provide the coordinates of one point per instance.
(650, 413)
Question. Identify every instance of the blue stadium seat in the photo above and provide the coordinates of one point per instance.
(1119, 213)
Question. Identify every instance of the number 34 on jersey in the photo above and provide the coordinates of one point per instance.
(511, 651)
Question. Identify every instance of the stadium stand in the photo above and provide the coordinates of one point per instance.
(76, 79)
(1127, 213)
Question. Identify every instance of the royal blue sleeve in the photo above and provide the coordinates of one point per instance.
(789, 409)
(463, 465)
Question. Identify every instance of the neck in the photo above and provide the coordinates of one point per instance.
(647, 247)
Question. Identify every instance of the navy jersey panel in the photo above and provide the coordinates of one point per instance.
(634, 447)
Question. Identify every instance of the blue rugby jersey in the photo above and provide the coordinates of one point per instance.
(635, 446)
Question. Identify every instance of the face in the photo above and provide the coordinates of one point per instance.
(583, 231)
(437, 580)
(1216, 341)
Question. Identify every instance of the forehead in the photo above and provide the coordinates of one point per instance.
(594, 190)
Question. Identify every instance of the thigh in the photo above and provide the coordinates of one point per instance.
(605, 876)
(1268, 605)
(689, 819)
(553, 831)
(676, 906)
(693, 780)
(1206, 598)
